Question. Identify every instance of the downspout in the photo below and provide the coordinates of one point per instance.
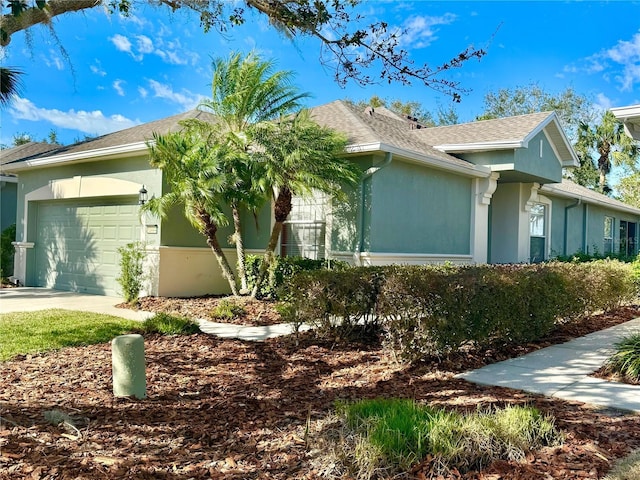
(368, 173)
(585, 218)
(566, 223)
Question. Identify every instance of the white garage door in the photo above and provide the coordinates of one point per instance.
(77, 244)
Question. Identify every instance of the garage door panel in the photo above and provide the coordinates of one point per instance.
(77, 245)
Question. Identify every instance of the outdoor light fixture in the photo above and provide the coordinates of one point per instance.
(142, 198)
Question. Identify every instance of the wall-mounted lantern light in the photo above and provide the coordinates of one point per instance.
(142, 197)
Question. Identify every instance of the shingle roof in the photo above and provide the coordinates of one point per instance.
(573, 190)
(363, 128)
(484, 131)
(27, 150)
(140, 133)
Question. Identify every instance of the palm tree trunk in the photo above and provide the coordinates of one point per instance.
(282, 208)
(237, 236)
(210, 230)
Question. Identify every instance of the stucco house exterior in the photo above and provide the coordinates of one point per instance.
(489, 191)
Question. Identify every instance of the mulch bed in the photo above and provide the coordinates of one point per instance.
(233, 410)
(256, 312)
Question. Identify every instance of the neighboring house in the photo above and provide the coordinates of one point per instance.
(489, 191)
(9, 183)
(630, 117)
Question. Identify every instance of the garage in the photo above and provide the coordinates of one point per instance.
(77, 243)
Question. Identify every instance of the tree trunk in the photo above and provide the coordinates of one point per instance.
(237, 236)
(210, 230)
(281, 208)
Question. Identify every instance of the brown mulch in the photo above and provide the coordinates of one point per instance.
(256, 312)
(232, 410)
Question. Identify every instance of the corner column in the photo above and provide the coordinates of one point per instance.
(483, 190)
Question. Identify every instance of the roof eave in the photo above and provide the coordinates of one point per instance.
(78, 157)
(422, 159)
(479, 146)
(552, 189)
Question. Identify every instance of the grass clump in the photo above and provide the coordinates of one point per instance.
(626, 469)
(626, 359)
(228, 310)
(167, 324)
(380, 438)
(24, 333)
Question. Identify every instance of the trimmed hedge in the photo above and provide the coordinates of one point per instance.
(434, 310)
(283, 268)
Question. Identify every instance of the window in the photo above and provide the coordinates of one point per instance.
(537, 233)
(608, 235)
(628, 238)
(304, 232)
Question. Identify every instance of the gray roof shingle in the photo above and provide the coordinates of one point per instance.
(25, 151)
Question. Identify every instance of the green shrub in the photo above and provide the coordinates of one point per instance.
(131, 277)
(167, 324)
(282, 269)
(381, 437)
(7, 250)
(227, 310)
(626, 359)
(339, 304)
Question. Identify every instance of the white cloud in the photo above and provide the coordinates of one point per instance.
(97, 69)
(117, 86)
(144, 44)
(185, 98)
(143, 92)
(620, 62)
(121, 42)
(419, 31)
(603, 102)
(53, 60)
(94, 122)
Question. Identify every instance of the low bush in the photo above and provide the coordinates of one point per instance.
(166, 324)
(435, 310)
(625, 361)
(7, 237)
(283, 268)
(339, 304)
(228, 310)
(378, 438)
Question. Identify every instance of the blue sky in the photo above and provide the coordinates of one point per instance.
(124, 71)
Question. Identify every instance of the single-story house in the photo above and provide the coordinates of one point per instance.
(9, 182)
(489, 191)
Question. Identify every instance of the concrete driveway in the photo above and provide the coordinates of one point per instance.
(29, 299)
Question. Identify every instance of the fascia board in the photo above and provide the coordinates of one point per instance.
(626, 113)
(550, 189)
(76, 157)
(479, 146)
(421, 159)
(8, 178)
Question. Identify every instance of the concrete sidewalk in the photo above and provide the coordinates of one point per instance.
(562, 371)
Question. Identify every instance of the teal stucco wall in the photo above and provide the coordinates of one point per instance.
(415, 209)
(539, 160)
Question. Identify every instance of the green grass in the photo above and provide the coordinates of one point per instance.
(167, 324)
(381, 437)
(227, 310)
(626, 358)
(42, 331)
(627, 468)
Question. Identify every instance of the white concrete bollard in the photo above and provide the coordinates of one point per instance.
(127, 355)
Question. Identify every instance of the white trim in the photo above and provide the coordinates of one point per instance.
(420, 158)
(75, 157)
(551, 189)
(480, 146)
(630, 118)
(380, 258)
(483, 190)
(8, 178)
(501, 167)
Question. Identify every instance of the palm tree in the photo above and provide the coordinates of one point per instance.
(245, 91)
(612, 145)
(9, 83)
(193, 169)
(297, 157)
